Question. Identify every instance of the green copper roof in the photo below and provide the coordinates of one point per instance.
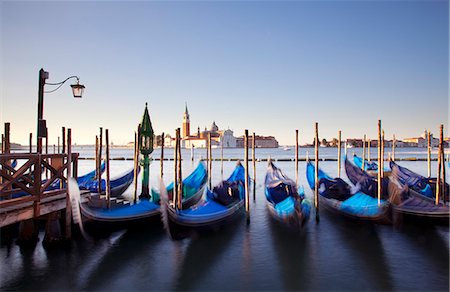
(146, 124)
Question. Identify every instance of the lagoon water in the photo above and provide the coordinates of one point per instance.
(334, 254)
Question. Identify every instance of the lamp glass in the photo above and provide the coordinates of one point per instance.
(77, 90)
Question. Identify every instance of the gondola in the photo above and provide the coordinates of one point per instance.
(420, 184)
(118, 185)
(85, 180)
(368, 165)
(191, 185)
(219, 206)
(285, 202)
(337, 196)
(122, 212)
(404, 200)
(413, 205)
(371, 167)
(366, 182)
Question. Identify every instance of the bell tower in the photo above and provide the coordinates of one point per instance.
(186, 123)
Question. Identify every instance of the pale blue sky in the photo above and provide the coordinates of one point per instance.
(267, 66)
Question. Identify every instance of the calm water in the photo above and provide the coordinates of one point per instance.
(335, 254)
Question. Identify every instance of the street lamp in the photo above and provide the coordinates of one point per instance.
(77, 90)
(146, 148)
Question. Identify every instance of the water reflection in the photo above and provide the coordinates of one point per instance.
(368, 251)
(293, 255)
(201, 255)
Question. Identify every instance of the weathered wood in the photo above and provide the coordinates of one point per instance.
(180, 177)
(100, 147)
(254, 165)
(247, 195)
(209, 161)
(382, 155)
(175, 173)
(136, 165)
(296, 158)
(363, 164)
(316, 173)
(379, 163)
(108, 170)
(429, 153)
(7, 146)
(221, 159)
(393, 147)
(97, 165)
(339, 153)
(162, 156)
(443, 185)
(63, 139)
(19, 212)
(69, 174)
(31, 143)
(368, 150)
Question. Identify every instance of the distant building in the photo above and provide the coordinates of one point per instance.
(422, 141)
(218, 137)
(260, 142)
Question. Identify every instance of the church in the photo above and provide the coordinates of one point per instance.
(200, 138)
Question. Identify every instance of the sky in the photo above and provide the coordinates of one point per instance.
(267, 66)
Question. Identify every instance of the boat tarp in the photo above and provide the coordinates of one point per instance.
(275, 176)
(85, 180)
(329, 188)
(310, 175)
(368, 165)
(212, 205)
(206, 207)
(119, 181)
(411, 179)
(361, 204)
(366, 182)
(191, 184)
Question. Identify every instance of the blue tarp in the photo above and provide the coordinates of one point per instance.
(361, 204)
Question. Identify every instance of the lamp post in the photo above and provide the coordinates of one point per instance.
(146, 148)
(77, 90)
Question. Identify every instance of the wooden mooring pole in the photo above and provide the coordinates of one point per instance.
(379, 163)
(97, 165)
(221, 159)
(69, 174)
(339, 153)
(180, 177)
(175, 172)
(135, 165)
(393, 148)
(254, 165)
(108, 170)
(209, 161)
(316, 173)
(31, 143)
(382, 155)
(100, 146)
(444, 188)
(429, 153)
(296, 158)
(363, 164)
(162, 156)
(368, 149)
(247, 195)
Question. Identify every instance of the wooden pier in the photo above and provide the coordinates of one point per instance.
(25, 193)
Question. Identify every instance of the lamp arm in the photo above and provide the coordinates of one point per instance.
(60, 83)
